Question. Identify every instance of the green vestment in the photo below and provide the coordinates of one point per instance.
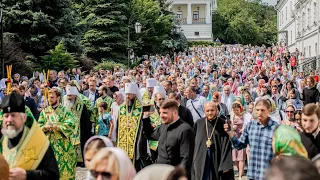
(61, 139)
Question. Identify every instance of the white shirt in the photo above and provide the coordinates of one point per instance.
(198, 108)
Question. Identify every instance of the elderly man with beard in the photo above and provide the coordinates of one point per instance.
(213, 152)
(57, 122)
(81, 133)
(130, 135)
(25, 147)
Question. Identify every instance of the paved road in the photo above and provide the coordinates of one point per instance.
(81, 173)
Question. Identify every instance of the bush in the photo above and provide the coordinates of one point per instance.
(85, 63)
(108, 65)
(203, 43)
(57, 59)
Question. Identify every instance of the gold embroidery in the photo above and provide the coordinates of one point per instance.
(30, 154)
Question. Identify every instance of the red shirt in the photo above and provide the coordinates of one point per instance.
(293, 61)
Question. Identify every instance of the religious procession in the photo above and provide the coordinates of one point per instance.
(208, 113)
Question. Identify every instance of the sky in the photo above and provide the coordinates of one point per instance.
(270, 2)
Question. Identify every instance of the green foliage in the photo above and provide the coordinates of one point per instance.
(15, 56)
(244, 22)
(156, 27)
(57, 59)
(108, 65)
(105, 28)
(40, 25)
(202, 43)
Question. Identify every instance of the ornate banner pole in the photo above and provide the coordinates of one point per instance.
(9, 70)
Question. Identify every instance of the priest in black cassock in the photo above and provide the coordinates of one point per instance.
(212, 158)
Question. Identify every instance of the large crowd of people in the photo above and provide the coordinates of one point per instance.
(208, 113)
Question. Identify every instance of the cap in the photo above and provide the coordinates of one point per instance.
(13, 103)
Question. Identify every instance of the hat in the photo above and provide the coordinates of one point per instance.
(13, 103)
(72, 90)
(160, 90)
(133, 89)
(151, 82)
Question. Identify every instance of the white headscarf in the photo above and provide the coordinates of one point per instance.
(155, 172)
(126, 169)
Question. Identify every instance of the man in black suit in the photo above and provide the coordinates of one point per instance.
(29, 102)
(92, 92)
(184, 113)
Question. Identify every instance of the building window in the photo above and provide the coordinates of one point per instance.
(179, 15)
(196, 15)
(315, 12)
(286, 13)
(309, 51)
(196, 33)
(282, 17)
(309, 17)
(316, 49)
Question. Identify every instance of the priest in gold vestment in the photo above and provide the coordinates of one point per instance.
(130, 134)
(58, 124)
(24, 146)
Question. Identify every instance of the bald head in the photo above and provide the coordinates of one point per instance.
(210, 110)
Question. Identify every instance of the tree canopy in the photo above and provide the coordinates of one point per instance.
(245, 22)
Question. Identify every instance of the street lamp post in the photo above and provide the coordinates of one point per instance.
(137, 29)
(1, 39)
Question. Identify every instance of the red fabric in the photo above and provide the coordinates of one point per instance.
(316, 78)
(293, 62)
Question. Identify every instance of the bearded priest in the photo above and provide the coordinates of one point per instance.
(25, 147)
(212, 159)
(82, 131)
(130, 133)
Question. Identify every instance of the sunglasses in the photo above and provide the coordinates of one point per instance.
(289, 111)
(105, 175)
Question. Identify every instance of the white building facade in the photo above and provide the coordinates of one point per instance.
(195, 18)
(299, 26)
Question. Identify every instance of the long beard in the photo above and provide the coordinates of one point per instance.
(68, 104)
(11, 133)
(130, 102)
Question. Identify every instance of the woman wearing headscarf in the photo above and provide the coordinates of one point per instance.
(161, 172)
(275, 114)
(118, 100)
(112, 163)
(286, 141)
(92, 146)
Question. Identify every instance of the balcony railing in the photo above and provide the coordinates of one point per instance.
(199, 21)
(182, 20)
(309, 64)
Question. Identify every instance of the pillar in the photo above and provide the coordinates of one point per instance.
(208, 14)
(189, 17)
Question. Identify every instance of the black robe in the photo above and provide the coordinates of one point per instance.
(176, 142)
(48, 167)
(220, 151)
(311, 143)
(85, 127)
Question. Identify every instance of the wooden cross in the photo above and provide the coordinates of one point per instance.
(9, 70)
(46, 91)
